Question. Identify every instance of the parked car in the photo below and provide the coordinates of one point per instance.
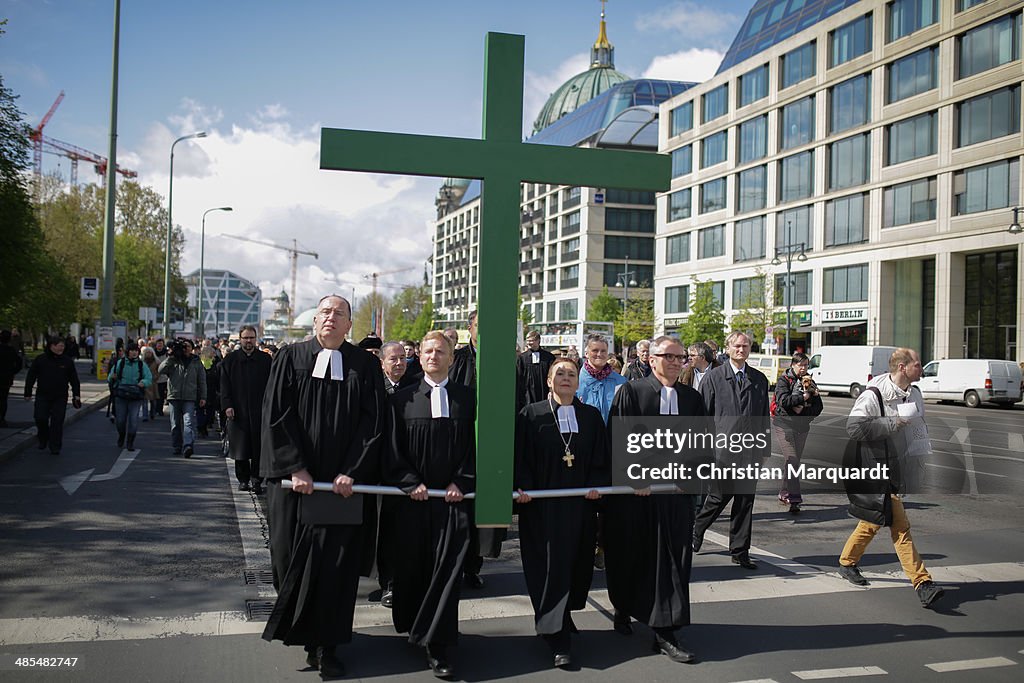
(972, 381)
(848, 369)
(771, 366)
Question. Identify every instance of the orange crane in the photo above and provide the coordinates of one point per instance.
(294, 252)
(43, 143)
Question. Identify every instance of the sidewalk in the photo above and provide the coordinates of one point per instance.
(20, 432)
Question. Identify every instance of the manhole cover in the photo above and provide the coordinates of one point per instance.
(258, 610)
(258, 577)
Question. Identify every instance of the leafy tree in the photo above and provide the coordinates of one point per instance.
(637, 322)
(604, 308)
(404, 312)
(362, 319)
(706, 319)
(424, 321)
(757, 311)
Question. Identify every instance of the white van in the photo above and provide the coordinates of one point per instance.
(973, 381)
(848, 369)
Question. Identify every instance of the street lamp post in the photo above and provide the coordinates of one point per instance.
(202, 269)
(787, 250)
(1015, 228)
(170, 229)
(624, 280)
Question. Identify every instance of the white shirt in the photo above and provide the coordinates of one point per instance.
(438, 398)
(698, 376)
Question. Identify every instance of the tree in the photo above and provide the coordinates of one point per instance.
(605, 308)
(757, 312)
(525, 313)
(362, 319)
(405, 311)
(706, 319)
(637, 322)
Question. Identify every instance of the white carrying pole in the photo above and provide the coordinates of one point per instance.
(541, 493)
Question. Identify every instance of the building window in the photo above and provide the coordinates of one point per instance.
(571, 197)
(571, 249)
(800, 289)
(850, 41)
(798, 65)
(568, 309)
(677, 248)
(679, 205)
(848, 162)
(907, 16)
(797, 123)
(754, 85)
(796, 177)
(682, 118)
(846, 284)
(714, 149)
(682, 161)
(983, 188)
(962, 5)
(850, 103)
(570, 276)
(550, 317)
(629, 247)
(749, 242)
(988, 46)
(913, 75)
(988, 116)
(793, 229)
(908, 203)
(712, 195)
(717, 292)
(677, 299)
(552, 280)
(752, 189)
(571, 223)
(844, 220)
(643, 274)
(715, 103)
(748, 292)
(711, 242)
(629, 220)
(614, 196)
(753, 141)
(912, 138)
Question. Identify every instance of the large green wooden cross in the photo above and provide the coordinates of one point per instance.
(502, 162)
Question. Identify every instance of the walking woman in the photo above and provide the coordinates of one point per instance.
(796, 403)
(128, 383)
(560, 443)
(598, 379)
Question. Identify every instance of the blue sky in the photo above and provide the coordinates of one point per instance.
(262, 78)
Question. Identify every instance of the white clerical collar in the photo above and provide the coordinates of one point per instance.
(332, 357)
(567, 420)
(438, 397)
(669, 404)
(535, 355)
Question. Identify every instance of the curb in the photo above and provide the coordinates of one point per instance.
(74, 417)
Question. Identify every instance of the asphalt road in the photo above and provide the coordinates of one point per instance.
(135, 566)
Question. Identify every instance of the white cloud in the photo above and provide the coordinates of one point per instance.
(703, 25)
(695, 65)
(268, 171)
(539, 87)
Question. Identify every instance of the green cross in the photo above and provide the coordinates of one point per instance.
(502, 162)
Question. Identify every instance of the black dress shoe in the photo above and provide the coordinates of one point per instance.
(698, 541)
(621, 624)
(794, 508)
(473, 580)
(672, 651)
(257, 488)
(438, 663)
(243, 486)
(313, 658)
(188, 451)
(375, 595)
(744, 561)
(562, 660)
(330, 665)
(387, 599)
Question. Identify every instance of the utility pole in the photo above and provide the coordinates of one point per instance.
(107, 295)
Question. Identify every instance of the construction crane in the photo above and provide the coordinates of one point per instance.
(294, 252)
(375, 276)
(42, 143)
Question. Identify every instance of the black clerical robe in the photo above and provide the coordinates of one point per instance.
(243, 380)
(463, 369)
(556, 535)
(647, 539)
(532, 378)
(328, 427)
(432, 536)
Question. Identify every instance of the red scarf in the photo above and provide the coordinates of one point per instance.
(595, 373)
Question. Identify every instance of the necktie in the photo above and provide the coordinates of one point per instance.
(438, 399)
(740, 377)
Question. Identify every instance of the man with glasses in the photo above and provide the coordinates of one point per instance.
(732, 391)
(647, 554)
(323, 418)
(244, 374)
(702, 358)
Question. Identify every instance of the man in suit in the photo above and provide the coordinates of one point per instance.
(702, 358)
(732, 391)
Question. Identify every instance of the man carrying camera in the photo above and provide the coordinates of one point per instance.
(186, 388)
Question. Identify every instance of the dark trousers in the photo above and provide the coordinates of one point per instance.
(49, 415)
(5, 391)
(387, 530)
(245, 471)
(741, 518)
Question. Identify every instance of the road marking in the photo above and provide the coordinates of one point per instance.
(847, 672)
(967, 664)
(759, 680)
(963, 436)
(1015, 442)
(964, 469)
(72, 482)
(253, 529)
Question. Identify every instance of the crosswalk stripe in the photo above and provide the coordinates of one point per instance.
(968, 664)
(846, 672)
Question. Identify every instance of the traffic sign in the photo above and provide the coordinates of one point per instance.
(90, 288)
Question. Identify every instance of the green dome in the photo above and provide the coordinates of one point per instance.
(575, 92)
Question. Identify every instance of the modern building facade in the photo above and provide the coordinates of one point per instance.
(230, 301)
(877, 145)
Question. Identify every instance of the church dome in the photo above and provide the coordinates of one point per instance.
(584, 86)
(304, 319)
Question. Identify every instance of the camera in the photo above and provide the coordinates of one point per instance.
(180, 350)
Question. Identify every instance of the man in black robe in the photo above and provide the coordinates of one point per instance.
(560, 443)
(432, 446)
(532, 372)
(647, 553)
(463, 370)
(323, 415)
(244, 374)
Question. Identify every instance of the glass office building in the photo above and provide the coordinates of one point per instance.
(230, 301)
(880, 139)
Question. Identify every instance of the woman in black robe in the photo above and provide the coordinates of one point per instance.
(560, 443)
(431, 450)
